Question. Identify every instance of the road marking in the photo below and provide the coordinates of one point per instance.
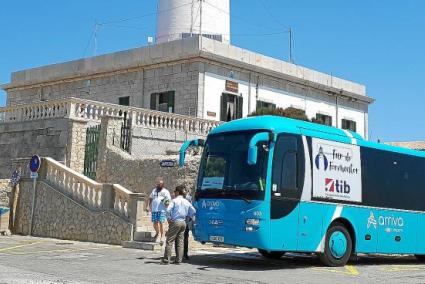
(19, 246)
(348, 270)
(59, 250)
(352, 270)
(401, 268)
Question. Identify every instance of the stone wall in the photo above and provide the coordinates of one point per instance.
(139, 173)
(148, 141)
(58, 216)
(76, 149)
(415, 145)
(24, 139)
(138, 85)
(59, 138)
(5, 189)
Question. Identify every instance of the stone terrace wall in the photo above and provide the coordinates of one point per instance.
(58, 216)
(24, 139)
(149, 141)
(139, 173)
(59, 138)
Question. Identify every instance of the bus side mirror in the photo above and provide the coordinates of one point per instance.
(253, 149)
(186, 145)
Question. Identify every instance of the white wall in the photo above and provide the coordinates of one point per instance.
(215, 86)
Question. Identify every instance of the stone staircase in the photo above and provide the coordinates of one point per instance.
(143, 236)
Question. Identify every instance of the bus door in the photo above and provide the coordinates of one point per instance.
(287, 183)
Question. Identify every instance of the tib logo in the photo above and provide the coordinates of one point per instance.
(340, 186)
(321, 159)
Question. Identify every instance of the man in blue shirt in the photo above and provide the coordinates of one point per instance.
(177, 213)
(188, 197)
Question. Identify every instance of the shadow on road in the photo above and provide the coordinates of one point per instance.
(255, 262)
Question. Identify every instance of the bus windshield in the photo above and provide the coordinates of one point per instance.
(225, 172)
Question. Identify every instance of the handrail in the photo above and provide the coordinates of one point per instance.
(74, 184)
(94, 110)
(90, 193)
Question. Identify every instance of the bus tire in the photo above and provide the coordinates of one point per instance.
(338, 246)
(271, 254)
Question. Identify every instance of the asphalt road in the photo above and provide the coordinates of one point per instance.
(39, 260)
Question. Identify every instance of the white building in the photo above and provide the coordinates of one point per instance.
(198, 76)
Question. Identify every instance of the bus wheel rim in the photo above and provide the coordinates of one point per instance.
(338, 244)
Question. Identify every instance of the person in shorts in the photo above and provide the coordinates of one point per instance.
(158, 202)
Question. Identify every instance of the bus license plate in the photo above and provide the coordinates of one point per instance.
(219, 239)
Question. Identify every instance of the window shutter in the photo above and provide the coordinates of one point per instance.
(153, 101)
(239, 106)
(171, 101)
(223, 112)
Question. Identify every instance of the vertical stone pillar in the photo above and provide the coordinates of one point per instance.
(136, 208)
(110, 134)
(75, 150)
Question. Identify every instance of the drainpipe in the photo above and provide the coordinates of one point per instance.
(249, 93)
(337, 111)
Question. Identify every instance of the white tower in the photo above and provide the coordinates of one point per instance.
(184, 18)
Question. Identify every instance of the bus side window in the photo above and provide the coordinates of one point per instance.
(286, 166)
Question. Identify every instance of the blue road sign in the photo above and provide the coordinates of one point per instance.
(35, 163)
(167, 164)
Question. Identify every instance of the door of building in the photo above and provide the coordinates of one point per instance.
(231, 107)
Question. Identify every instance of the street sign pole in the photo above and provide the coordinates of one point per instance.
(35, 164)
(33, 203)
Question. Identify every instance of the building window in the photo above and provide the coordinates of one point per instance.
(163, 101)
(231, 107)
(349, 125)
(124, 101)
(262, 104)
(324, 119)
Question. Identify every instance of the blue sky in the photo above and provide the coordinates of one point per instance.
(378, 43)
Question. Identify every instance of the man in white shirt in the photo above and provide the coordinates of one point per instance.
(158, 202)
(177, 212)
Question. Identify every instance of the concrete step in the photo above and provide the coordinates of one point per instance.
(142, 245)
(144, 236)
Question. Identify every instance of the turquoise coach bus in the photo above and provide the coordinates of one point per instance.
(282, 185)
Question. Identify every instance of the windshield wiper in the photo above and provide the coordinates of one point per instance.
(233, 191)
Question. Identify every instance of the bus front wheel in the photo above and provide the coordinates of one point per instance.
(338, 246)
(271, 254)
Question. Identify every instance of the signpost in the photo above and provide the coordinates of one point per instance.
(167, 164)
(35, 164)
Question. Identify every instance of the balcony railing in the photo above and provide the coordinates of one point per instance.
(93, 110)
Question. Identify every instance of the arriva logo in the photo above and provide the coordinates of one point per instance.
(371, 221)
(321, 159)
(210, 204)
(386, 221)
(391, 221)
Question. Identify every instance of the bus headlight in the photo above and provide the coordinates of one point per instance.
(251, 228)
(252, 222)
